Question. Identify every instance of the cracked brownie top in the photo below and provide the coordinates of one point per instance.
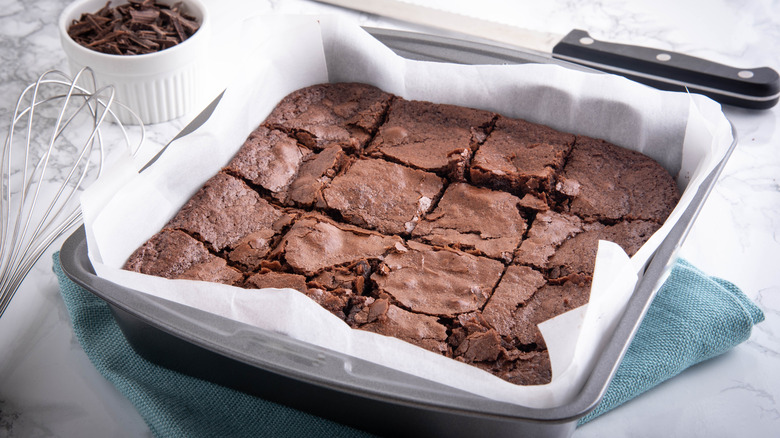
(454, 229)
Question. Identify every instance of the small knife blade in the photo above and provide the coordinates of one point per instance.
(194, 124)
(755, 88)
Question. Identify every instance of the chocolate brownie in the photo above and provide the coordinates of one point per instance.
(343, 114)
(269, 159)
(229, 216)
(462, 282)
(548, 231)
(252, 249)
(433, 137)
(379, 316)
(337, 302)
(517, 286)
(315, 173)
(476, 342)
(383, 196)
(174, 254)
(578, 254)
(520, 367)
(520, 156)
(482, 345)
(315, 243)
(475, 219)
(562, 244)
(450, 228)
(552, 299)
(609, 183)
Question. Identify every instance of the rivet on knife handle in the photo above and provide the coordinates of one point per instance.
(756, 88)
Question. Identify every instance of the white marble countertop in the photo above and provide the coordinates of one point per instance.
(49, 388)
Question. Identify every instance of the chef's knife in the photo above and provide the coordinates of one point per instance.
(756, 88)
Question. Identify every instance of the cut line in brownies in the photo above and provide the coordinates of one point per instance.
(454, 229)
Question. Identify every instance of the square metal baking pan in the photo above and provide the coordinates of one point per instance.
(349, 390)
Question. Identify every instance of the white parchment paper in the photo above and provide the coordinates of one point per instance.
(687, 134)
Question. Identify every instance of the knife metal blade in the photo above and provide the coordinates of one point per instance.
(755, 88)
(194, 124)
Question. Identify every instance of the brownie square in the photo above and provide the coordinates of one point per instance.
(548, 301)
(433, 281)
(433, 137)
(390, 320)
(606, 182)
(315, 243)
(476, 342)
(315, 173)
(228, 215)
(383, 196)
(520, 156)
(475, 219)
(251, 250)
(342, 114)
(269, 159)
(517, 286)
(521, 367)
(578, 254)
(174, 254)
(548, 231)
(562, 244)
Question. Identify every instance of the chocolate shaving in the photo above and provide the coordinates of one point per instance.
(144, 17)
(133, 28)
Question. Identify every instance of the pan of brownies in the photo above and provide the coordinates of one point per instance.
(452, 229)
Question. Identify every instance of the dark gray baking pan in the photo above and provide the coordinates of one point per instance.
(349, 390)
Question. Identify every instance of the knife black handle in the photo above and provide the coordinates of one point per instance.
(756, 88)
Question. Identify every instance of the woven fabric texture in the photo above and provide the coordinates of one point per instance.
(694, 317)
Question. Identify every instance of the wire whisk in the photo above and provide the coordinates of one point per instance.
(53, 150)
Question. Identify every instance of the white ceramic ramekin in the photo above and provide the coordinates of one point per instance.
(158, 86)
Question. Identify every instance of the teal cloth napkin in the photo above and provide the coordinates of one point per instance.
(694, 317)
